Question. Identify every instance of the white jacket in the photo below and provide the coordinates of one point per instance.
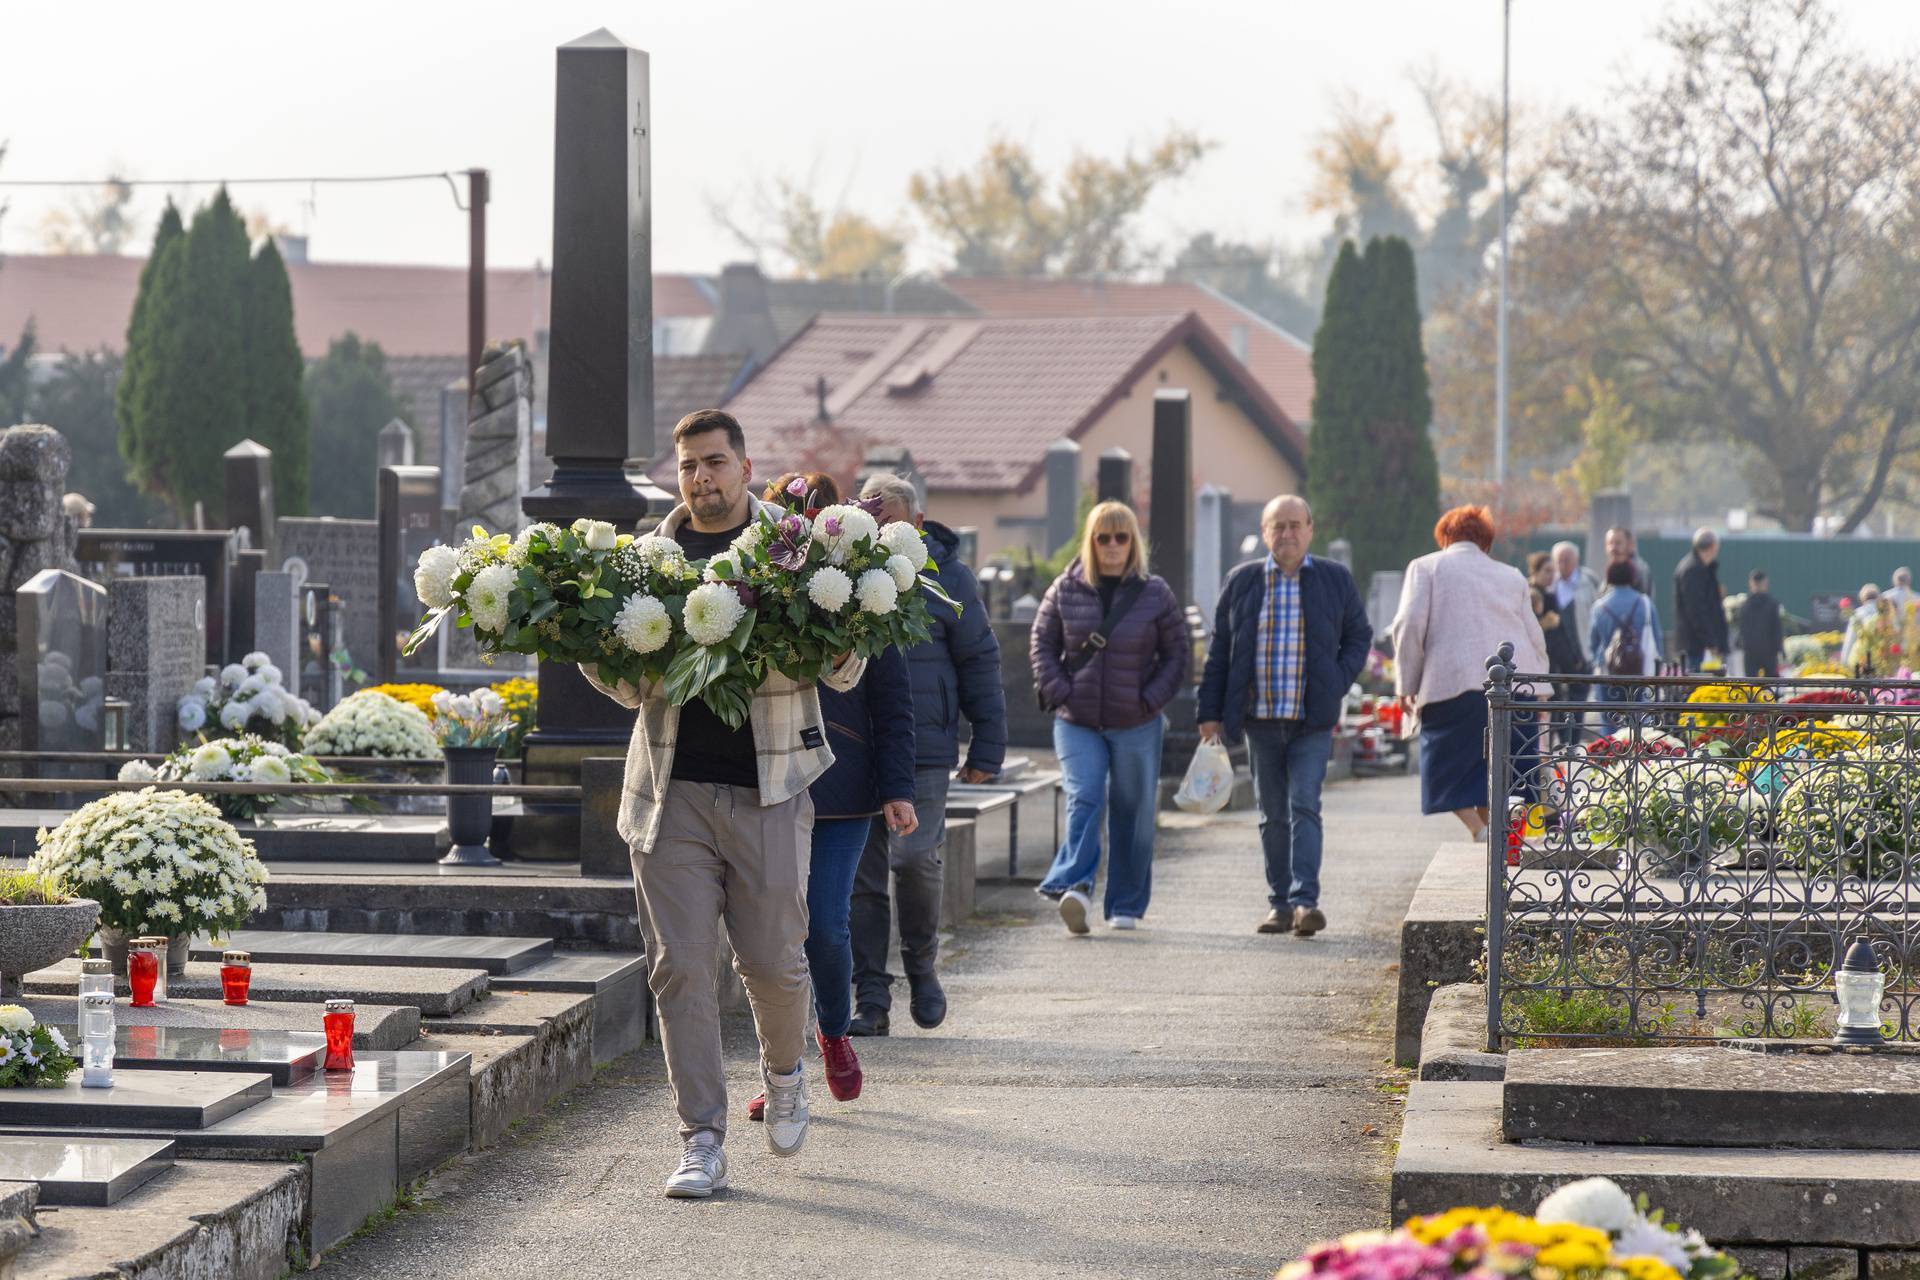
(1457, 607)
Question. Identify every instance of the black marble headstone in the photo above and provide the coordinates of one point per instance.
(409, 515)
(1114, 481)
(1170, 508)
(249, 483)
(1063, 493)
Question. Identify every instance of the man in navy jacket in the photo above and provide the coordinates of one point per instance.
(1289, 637)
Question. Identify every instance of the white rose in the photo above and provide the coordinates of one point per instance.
(14, 1018)
(901, 570)
(642, 624)
(876, 592)
(830, 588)
(712, 612)
(1591, 1202)
(487, 598)
(433, 578)
(597, 534)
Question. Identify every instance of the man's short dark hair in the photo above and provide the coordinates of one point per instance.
(1620, 573)
(1757, 579)
(701, 421)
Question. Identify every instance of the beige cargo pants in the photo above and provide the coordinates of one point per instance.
(721, 854)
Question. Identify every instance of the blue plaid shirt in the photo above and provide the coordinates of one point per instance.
(1279, 669)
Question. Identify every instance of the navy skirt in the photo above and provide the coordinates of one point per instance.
(1453, 754)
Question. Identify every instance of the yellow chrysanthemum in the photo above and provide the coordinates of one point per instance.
(414, 695)
(1642, 1267)
(1574, 1255)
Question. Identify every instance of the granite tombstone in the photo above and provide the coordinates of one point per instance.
(105, 554)
(154, 630)
(409, 517)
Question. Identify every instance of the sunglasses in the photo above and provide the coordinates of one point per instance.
(1112, 539)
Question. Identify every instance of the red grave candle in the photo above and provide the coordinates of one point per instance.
(143, 972)
(236, 976)
(339, 1028)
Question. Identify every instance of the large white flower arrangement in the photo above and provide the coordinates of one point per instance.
(247, 696)
(158, 862)
(247, 758)
(370, 723)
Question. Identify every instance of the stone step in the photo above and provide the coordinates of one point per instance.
(346, 837)
(514, 1076)
(137, 1100)
(487, 950)
(374, 1026)
(590, 971)
(286, 1056)
(1711, 1096)
(617, 984)
(82, 1171)
(437, 991)
(516, 900)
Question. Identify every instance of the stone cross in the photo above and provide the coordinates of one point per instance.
(1170, 509)
(248, 468)
(1115, 482)
(156, 630)
(1063, 492)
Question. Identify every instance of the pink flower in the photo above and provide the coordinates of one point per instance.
(797, 487)
(831, 526)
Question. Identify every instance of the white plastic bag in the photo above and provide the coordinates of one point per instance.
(1209, 781)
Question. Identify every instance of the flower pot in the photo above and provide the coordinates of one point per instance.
(113, 945)
(470, 818)
(33, 937)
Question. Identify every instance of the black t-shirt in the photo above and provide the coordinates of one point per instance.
(708, 751)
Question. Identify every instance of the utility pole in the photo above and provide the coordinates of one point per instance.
(1500, 392)
(477, 192)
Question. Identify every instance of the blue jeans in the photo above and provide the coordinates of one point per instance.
(837, 843)
(1289, 765)
(1120, 770)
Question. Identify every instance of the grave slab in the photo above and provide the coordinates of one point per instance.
(344, 838)
(433, 991)
(374, 1026)
(139, 1100)
(583, 971)
(83, 1171)
(1714, 1096)
(490, 954)
(287, 1056)
(617, 985)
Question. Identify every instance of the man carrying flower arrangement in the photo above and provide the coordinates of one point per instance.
(720, 824)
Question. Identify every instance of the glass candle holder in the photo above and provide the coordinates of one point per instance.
(96, 975)
(236, 976)
(162, 947)
(144, 973)
(96, 1040)
(339, 1029)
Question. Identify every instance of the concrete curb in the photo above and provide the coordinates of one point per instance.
(1453, 1043)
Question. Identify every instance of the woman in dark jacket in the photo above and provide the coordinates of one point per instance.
(870, 728)
(1106, 704)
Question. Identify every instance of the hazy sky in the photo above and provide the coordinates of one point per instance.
(856, 93)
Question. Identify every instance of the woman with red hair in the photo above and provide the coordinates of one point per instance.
(1458, 605)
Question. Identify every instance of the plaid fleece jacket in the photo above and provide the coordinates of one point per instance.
(783, 711)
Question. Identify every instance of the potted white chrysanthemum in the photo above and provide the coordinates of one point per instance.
(162, 863)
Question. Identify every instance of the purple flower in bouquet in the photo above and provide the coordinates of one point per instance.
(789, 549)
(749, 596)
(797, 487)
(870, 505)
(831, 526)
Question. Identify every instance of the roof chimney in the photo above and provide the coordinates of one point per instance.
(820, 396)
(743, 318)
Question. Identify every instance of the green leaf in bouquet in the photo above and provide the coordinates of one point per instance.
(730, 700)
(939, 593)
(742, 632)
(797, 610)
(542, 611)
(428, 625)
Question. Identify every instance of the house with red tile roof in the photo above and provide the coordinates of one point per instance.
(977, 400)
(1281, 362)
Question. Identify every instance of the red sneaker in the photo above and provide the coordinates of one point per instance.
(843, 1067)
(757, 1107)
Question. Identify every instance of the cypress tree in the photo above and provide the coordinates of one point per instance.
(276, 414)
(138, 356)
(144, 441)
(1372, 475)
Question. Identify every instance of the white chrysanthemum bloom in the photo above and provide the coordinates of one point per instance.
(1645, 1240)
(208, 762)
(749, 539)
(271, 769)
(234, 715)
(255, 660)
(597, 534)
(901, 539)
(902, 571)
(232, 674)
(713, 611)
(433, 577)
(876, 592)
(59, 1041)
(487, 597)
(1591, 1202)
(204, 686)
(192, 714)
(853, 523)
(15, 1018)
(251, 685)
(830, 588)
(642, 624)
(657, 552)
(137, 771)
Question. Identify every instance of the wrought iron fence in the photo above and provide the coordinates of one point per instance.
(1688, 857)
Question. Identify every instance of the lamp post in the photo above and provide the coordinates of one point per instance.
(1858, 985)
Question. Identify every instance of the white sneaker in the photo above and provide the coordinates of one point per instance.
(786, 1115)
(702, 1171)
(1073, 909)
(1123, 922)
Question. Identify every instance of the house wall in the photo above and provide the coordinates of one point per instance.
(1228, 450)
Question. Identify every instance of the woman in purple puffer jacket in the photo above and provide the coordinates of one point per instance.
(1106, 702)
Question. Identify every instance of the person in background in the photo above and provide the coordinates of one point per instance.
(1620, 548)
(1699, 602)
(1901, 593)
(1540, 591)
(1290, 636)
(1458, 605)
(1107, 695)
(1864, 613)
(1576, 589)
(1624, 608)
(1761, 638)
(870, 731)
(956, 676)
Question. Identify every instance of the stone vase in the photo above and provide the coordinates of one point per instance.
(35, 936)
(113, 945)
(470, 818)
